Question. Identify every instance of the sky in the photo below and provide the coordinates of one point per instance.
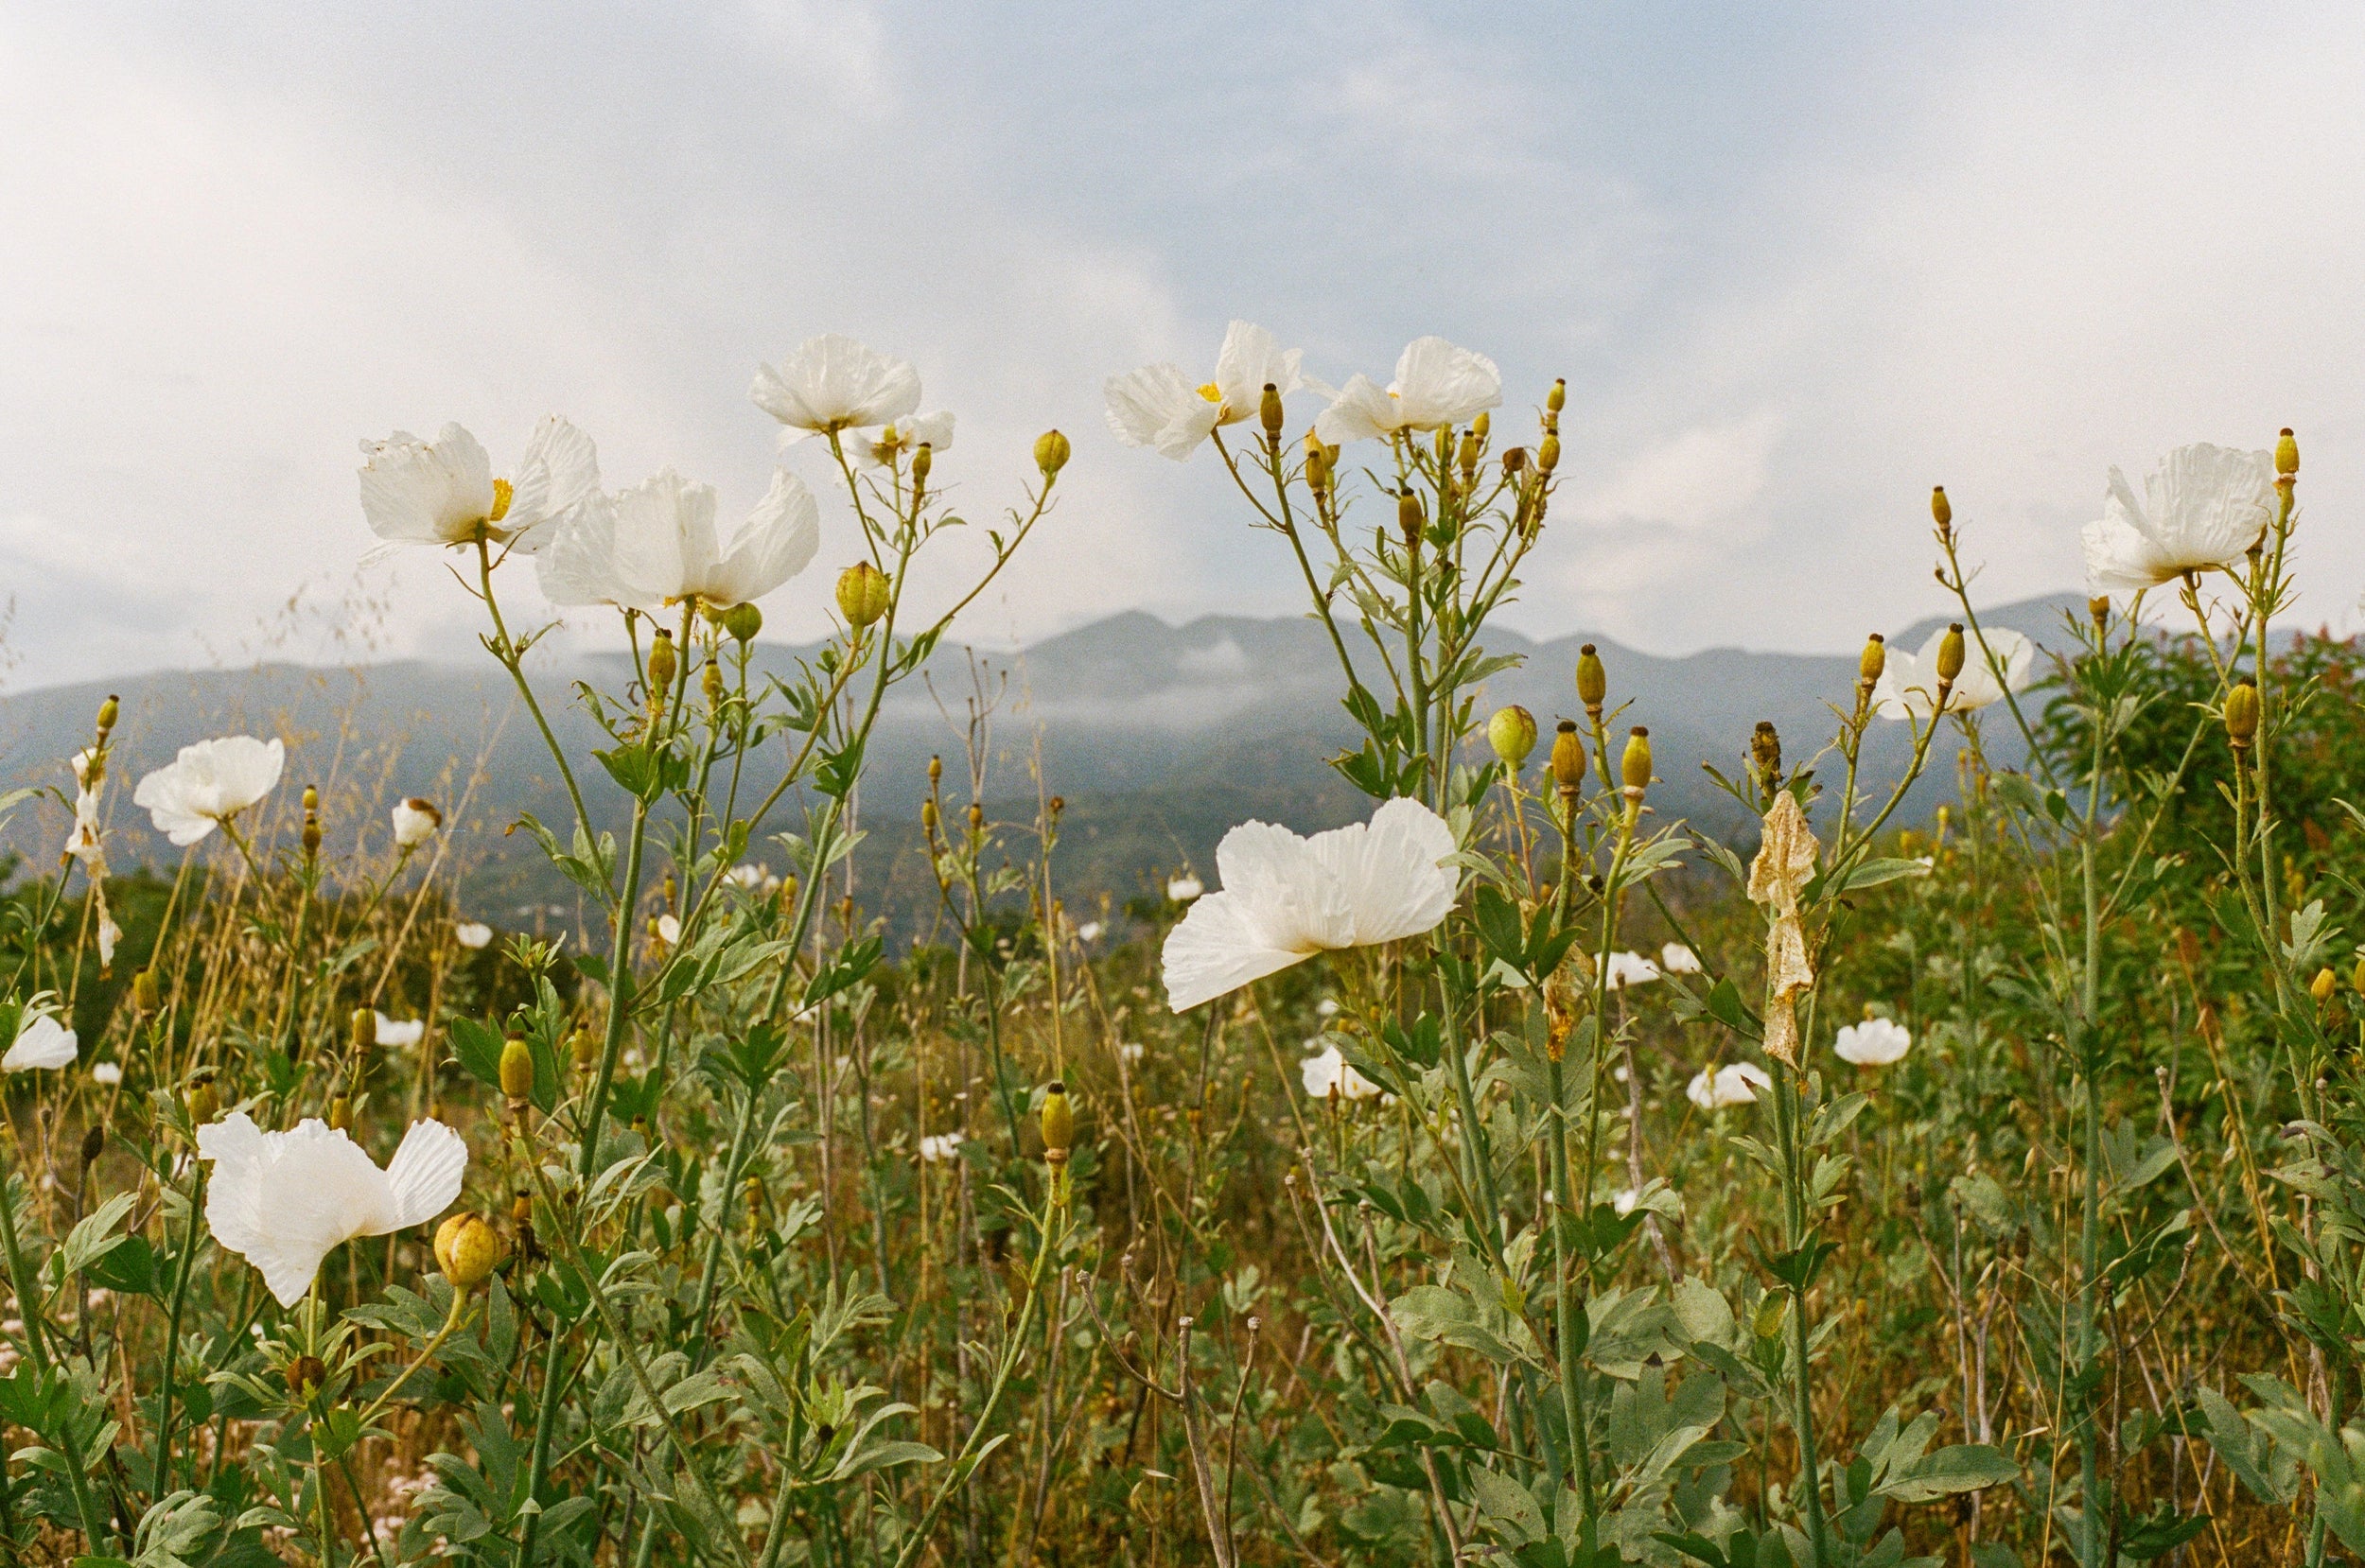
(1797, 263)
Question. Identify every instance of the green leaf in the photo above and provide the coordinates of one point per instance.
(1966, 1467)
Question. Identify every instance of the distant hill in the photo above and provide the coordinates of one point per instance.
(1159, 737)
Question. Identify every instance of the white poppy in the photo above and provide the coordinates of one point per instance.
(2203, 506)
(1674, 958)
(472, 935)
(1737, 1084)
(1329, 1071)
(1437, 385)
(751, 875)
(1875, 1042)
(209, 783)
(1630, 969)
(1089, 931)
(443, 491)
(937, 1147)
(415, 821)
(1182, 889)
(284, 1200)
(654, 545)
(1157, 406)
(106, 1073)
(669, 929)
(833, 383)
(900, 439)
(1909, 682)
(1285, 899)
(399, 1031)
(40, 1041)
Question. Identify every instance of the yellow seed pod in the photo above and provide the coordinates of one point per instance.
(1592, 680)
(923, 460)
(361, 1028)
(201, 1099)
(2287, 453)
(862, 594)
(1874, 659)
(662, 667)
(1051, 453)
(1941, 510)
(146, 996)
(1634, 769)
(1953, 650)
(1466, 457)
(2357, 978)
(1548, 452)
(1058, 1121)
(107, 712)
(976, 817)
(341, 1113)
(1557, 398)
(1409, 516)
(585, 1047)
(710, 682)
(1269, 410)
(1512, 733)
(517, 1069)
(1568, 758)
(929, 817)
(467, 1250)
(2241, 715)
(2324, 986)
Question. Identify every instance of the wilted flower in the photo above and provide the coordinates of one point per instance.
(938, 1147)
(1327, 1072)
(1182, 889)
(108, 935)
(2203, 506)
(106, 1073)
(1875, 1042)
(82, 839)
(472, 935)
(900, 439)
(1909, 682)
(415, 821)
(1157, 406)
(40, 1041)
(1630, 969)
(1737, 1084)
(1674, 958)
(390, 1032)
(1436, 385)
(654, 545)
(1783, 867)
(284, 1200)
(208, 783)
(834, 383)
(1285, 899)
(443, 491)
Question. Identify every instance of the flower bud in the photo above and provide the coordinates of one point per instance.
(1941, 510)
(306, 1373)
(1317, 463)
(1567, 759)
(2287, 453)
(311, 797)
(1409, 516)
(1548, 453)
(1592, 680)
(2324, 986)
(146, 996)
(201, 1099)
(1874, 659)
(1269, 410)
(923, 460)
(361, 1028)
(1483, 425)
(743, 621)
(2098, 611)
(1051, 454)
(1059, 1122)
(341, 1113)
(662, 667)
(112, 706)
(2241, 715)
(976, 817)
(862, 594)
(1512, 733)
(415, 821)
(1635, 767)
(517, 1069)
(1952, 652)
(467, 1250)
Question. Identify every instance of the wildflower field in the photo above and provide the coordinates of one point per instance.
(1515, 1174)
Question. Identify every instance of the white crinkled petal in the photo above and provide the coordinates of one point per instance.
(559, 470)
(1217, 950)
(426, 492)
(1390, 873)
(779, 540)
(1362, 410)
(1142, 404)
(1251, 359)
(425, 1173)
(1440, 384)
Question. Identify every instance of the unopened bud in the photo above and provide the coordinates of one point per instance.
(361, 1028)
(662, 667)
(467, 1250)
(1269, 410)
(2241, 715)
(1483, 425)
(585, 1047)
(1059, 1122)
(1548, 453)
(517, 1069)
(862, 594)
(112, 706)
(1874, 659)
(1952, 652)
(935, 770)
(1635, 767)
(311, 797)
(1941, 510)
(1568, 758)
(2357, 978)
(1051, 454)
(743, 621)
(2320, 988)
(1512, 733)
(976, 817)
(1592, 680)
(146, 996)
(1317, 463)
(415, 820)
(2287, 453)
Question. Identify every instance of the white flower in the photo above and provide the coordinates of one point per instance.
(1089, 931)
(1328, 1071)
(1285, 899)
(2203, 506)
(441, 491)
(1630, 969)
(669, 929)
(833, 383)
(82, 840)
(900, 439)
(751, 875)
(1157, 406)
(284, 1200)
(1132, 1050)
(1875, 1042)
(1737, 1084)
(1623, 1200)
(654, 545)
(1436, 385)
(400, 1031)
(209, 783)
(472, 935)
(415, 821)
(938, 1147)
(1909, 682)
(1326, 1008)
(108, 1073)
(1182, 889)
(40, 1041)
(1674, 958)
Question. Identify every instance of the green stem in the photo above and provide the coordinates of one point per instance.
(160, 1478)
(29, 1306)
(1566, 1306)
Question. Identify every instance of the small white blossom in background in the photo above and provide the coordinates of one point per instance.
(1326, 1008)
(1285, 899)
(108, 935)
(2203, 506)
(1630, 969)
(399, 1031)
(1737, 1084)
(472, 935)
(1159, 407)
(1089, 931)
(1328, 1071)
(208, 783)
(415, 821)
(834, 382)
(753, 877)
(1909, 682)
(1875, 1042)
(285, 1200)
(108, 1073)
(40, 1041)
(1674, 958)
(669, 929)
(901, 438)
(1132, 1050)
(1623, 1200)
(1182, 889)
(1437, 385)
(937, 1147)
(654, 546)
(443, 491)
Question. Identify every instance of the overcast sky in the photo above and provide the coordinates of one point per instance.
(1797, 261)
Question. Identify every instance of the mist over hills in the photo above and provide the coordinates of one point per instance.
(1159, 737)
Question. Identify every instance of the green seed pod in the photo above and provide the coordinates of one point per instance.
(1567, 759)
(1634, 769)
(1269, 410)
(1059, 1122)
(662, 667)
(1952, 653)
(1592, 680)
(1512, 733)
(1874, 659)
(743, 621)
(517, 1069)
(862, 594)
(1051, 453)
(2241, 715)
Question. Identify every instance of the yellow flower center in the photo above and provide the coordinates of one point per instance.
(1212, 392)
(503, 491)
